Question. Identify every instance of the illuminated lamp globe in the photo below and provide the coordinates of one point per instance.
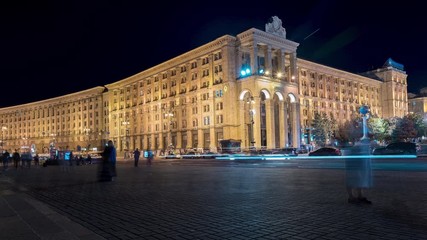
(364, 109)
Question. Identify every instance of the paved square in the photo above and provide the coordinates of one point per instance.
(206, 200)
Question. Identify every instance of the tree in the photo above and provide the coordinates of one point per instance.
(419, 123)
(318, 132)
(323, 128)
(405, 129)
(350, 131)
(380, 128)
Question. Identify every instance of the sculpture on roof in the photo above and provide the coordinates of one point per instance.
(275, 27)
(391, 63)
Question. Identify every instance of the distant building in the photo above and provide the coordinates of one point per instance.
(418, 103)
(250, 87)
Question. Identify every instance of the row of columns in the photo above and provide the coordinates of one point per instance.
(268, 55)
(270, 126)
(148, 141)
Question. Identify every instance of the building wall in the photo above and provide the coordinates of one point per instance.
(201, 97)
(64, 122)
(418, 103)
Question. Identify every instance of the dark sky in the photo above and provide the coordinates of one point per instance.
(52, 48)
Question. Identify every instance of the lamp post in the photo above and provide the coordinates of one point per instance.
(250, 101)
(364, 110)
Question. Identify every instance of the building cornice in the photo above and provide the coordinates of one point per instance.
(261, 36)
(177, 61)
(72, 97)
(336, 72)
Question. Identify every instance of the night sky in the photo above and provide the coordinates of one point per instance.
(52, 48)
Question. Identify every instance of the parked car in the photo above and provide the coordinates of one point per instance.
(287, 151)
(397, 148)
(191, 155)
(172, 156)
(303, 149)
(326, 151)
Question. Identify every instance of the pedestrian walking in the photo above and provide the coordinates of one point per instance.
(150, 156)
(89, 159)
(36, 160)
(5, 159)
(107, 170)
(136, 155)
(16, 158)
(358, 173)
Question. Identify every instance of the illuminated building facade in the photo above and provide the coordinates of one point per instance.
(73, 121)
(418, 103)
(250, 87)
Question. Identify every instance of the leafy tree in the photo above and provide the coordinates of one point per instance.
(405, 129)
(380, 128)
(324, 128)
(420, 125)
(318, 129)
(350, 131)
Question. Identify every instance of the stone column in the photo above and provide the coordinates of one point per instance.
(293, 67)
(189, 139)
(270, 124)
(239, 61)
(267, 55)
(254, 58)
(178, 140)
(212, 143)
(296, 131)
(282, 62)
(243, 125)
(119, 143)
(200, 138)
(283, 130)
(145, 141)
(138, 142)
(257, 121)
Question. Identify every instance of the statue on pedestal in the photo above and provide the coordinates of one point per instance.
(275, 27)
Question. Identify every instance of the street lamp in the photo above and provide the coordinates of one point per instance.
(364, 110)
(250, 100)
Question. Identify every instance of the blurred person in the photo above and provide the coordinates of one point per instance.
(89, 159)
(107, 170)
(36, 160)
(150, 156)
(358, 173)
(136, 155)
(5, 159)
(16, 158)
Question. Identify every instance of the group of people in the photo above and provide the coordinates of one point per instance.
(148, 154)
(107, 169)
(22, 160)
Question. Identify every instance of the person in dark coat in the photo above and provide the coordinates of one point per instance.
(108, 166)
(5, 158)
(136, 155)
(16, 158)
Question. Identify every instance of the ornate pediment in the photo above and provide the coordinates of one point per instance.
(275, 27)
